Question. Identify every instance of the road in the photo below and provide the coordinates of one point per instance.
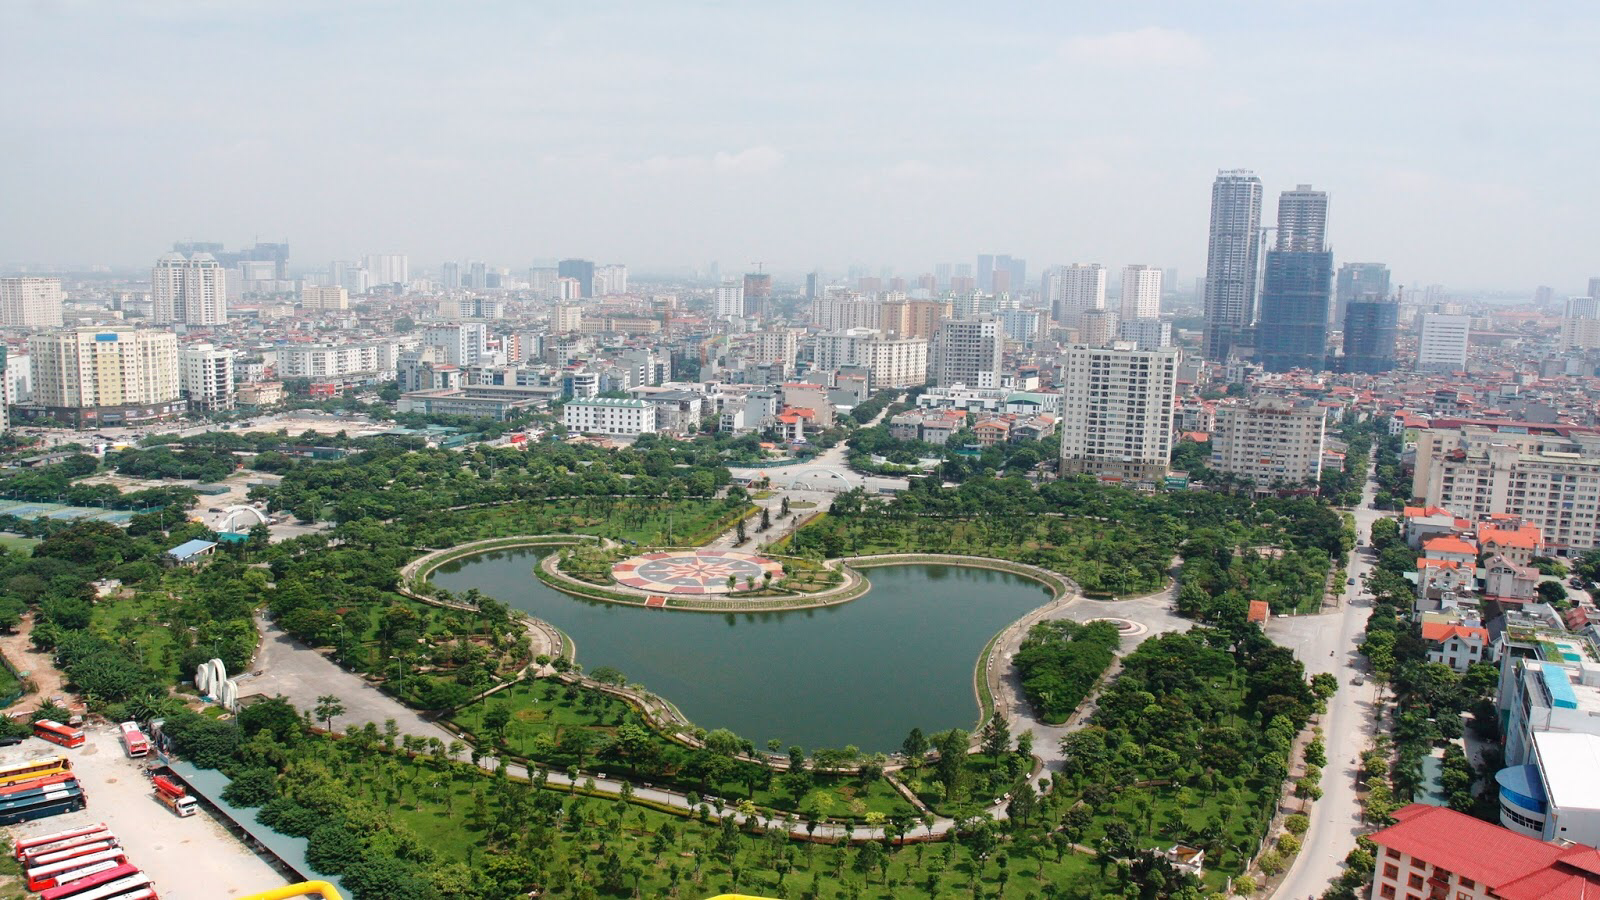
(1327, 643)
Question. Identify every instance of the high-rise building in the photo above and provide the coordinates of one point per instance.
(100, 376)
(811, 286)
(968, 352)
(1231, 253)
(941, 276)
(1298, 287)
(582, 270)
(610, 280)
(450, 276)
(542, 282)
(1097, 327)
(1141, 292)
(463, 343)
(321, 297)
(1273, 442)
(477, 275)
(389, 269)
(1594, 287)
(1442, 342)
(912, 318)
(893, 362)
(30, 302)
(188, 290)
(1116, 413)
(985, 272)
(1357, 281)
(1146, 334)
(837, 311)
(1069, 290)
(1371, 327)
(205, 374)
(1580, 327)
(353, 277)
(729, 301)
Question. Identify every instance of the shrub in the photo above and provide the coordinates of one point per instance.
(1297, 824)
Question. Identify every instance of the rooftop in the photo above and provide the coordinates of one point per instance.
(1570, 764)
(609, 401)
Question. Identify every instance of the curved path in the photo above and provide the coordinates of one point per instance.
(302, 674)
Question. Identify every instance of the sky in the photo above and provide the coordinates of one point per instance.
(1457, 141)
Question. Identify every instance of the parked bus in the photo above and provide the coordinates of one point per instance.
(43, 807)
(23, 845)
(27, 798)
(118, 888)
(57, 733)
(97, 879)
(55, 856)
(48, 876)
(31, 857)
(133, 740)
(90, 871)
(34, 784)
(34, 768)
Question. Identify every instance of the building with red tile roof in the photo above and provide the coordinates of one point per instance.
(1259, 612)
(1457, 646)
(1433, 851)
(1451, 547)
(1511, 537)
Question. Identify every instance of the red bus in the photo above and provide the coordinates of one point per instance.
(110, 888)
(68, 888)
(34, 768)
(32, 855)
(33, 784)
(57, 733)
(55, 856)
(48, 876)
(133, 740)
(23, 845)
(78, 875)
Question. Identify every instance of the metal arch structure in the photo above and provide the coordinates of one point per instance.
(835, 480)
(225, 523)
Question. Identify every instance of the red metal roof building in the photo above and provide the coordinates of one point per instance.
(1436, 852)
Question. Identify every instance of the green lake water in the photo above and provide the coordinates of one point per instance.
(864, 673)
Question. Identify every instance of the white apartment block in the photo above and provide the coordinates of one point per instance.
(110, 374)
(30, 302)
(463, 343)
(374, 360)
(1270, 441)
(566, 318)
(610, 280)
(729, 302)
(1116, 412)
(324, 297)
(775, 345)
(1072, 289)
(1442, 342)
(1148, 334)
(604, 415)
(188, 290)
(388, 268)
(968, 352)
(1141, 292)
(838, 311)
(1547, 476)
(205, 373)
(894, 362)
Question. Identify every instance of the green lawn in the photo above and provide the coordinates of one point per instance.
(543, 714)
(651, 522)
(138, 618)
(16, 543)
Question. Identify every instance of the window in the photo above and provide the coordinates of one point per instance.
(1468, 882)
(1391, 871)
(1386, 892)
(1415, 881)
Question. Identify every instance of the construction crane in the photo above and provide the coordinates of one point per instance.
(758, 266)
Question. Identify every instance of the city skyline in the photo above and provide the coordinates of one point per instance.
(655, 141)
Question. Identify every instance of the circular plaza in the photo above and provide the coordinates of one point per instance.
(694, 571)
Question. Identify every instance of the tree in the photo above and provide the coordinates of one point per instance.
(497, 718)
(915, 747)
(329, 707)
(996, 736)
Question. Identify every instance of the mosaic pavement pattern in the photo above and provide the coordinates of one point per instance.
(693, 571)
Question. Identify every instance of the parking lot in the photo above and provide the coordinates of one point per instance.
(192, 858)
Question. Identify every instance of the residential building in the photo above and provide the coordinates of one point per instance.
(1435, 852)
(1371, 329)
(1547, 476)
(1292, 332)
(968, 352)
(566, 319)
(582, 270)
(892, 362)
(1549, 681)
(188, 290)
(912, 318)
(324, 297)
(450, 276)
(1358, 281)
(1273, 443)
(610, 280)
(1508, 582)
(464, 343)
(104, 376)
(837, 311)
(1116, 414)
(775, 345)
(1511, 537)
(729, 301)
(205, 374)
(1231, 253)
(393, 269)
(368, 361)
(1458, 646)
(604, 415)
(1442, 342)
(1097, 327)
(30, 302)
(1141, 292)
(498, 403)
(1070, 290)
(1147, 334)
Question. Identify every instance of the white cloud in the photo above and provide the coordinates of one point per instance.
(922, 170)
(750, 160)
(1143, 48)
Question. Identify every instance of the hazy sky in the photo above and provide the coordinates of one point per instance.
(1458, 140)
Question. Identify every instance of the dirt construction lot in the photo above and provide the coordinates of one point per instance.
(194, 858)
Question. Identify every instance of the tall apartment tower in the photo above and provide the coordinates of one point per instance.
(1442, 342)
(582, 270)
(188, 290)
(450, 276)
(1371, 328)
(1358, 281)
(1231, 254)
(30, 302)
(1141, 292)
(1116, 412)
(968, 352)
(1297, 290)
(729, 301)
(1071, 290)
